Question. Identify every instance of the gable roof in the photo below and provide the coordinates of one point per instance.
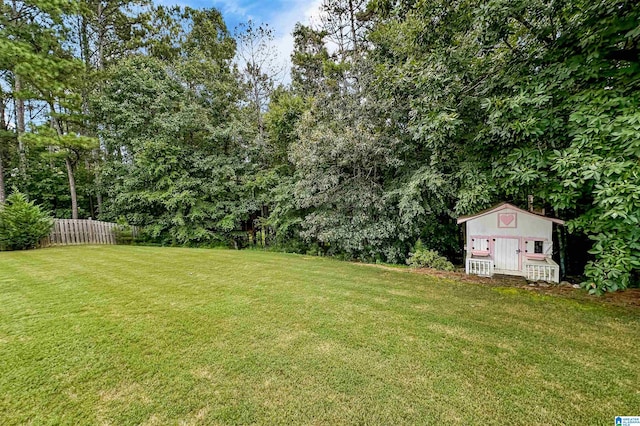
(502, 206)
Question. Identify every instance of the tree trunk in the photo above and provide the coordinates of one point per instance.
(2, 193)
(22, 156)
(91, 210)
(84, 42)
(67, 161)
(98, 185)
(19, 107)
(3, 126)
(562, 247)
(85, 53)
(99, 201)
(354, 35)
(101, 36)
(72, 188)
(258, 105)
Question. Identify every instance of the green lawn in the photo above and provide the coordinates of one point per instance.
(129, 335)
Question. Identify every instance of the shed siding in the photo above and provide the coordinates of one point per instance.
(527, 226)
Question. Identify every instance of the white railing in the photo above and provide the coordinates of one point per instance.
(543, 272)
(482, 267)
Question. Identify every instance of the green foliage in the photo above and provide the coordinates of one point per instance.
(601, 164)
(124, 232)
(569, 131)
(505, 99)
(421, 257)
(309, 58)
(285, 111)
(124, 235)
(340, 165)
(62, 144)
(22, 223)
(183, 179)
(422, 111)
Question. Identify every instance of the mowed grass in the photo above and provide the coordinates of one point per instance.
(141, 335)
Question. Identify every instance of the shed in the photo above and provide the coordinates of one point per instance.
(508, 240)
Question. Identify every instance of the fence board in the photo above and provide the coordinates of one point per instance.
(82, 231)
(74, 232)
(85, 227)
(78, 231)
(63, 232)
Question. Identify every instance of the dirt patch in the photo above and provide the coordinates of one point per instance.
(627, 298)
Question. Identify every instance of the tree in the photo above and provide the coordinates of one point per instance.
(179, 174)
(341, 161)
(5, 134)
(109, 30)
(65, 145)
(105, 31)
(308, 60)
(258, 63)
(35, 53)
(342, 20)
(22, 223)
(281, 121)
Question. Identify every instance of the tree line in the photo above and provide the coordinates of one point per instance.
(400, 116)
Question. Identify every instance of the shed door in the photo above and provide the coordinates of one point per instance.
(507, 254)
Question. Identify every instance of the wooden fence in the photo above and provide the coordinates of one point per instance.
(76, 231)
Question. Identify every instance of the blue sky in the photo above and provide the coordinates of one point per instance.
(281, 15)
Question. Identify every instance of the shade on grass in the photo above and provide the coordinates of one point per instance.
(125, 335)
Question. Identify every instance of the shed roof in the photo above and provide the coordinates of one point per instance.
(502, 206)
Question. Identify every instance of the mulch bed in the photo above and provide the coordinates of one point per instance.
(628, 298)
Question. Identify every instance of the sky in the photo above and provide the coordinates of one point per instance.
(281, 15)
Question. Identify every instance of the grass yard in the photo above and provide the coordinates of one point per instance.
(130, 335)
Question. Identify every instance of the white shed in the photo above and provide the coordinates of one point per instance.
(508, 240)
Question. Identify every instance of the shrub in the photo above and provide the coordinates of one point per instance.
(22, 223)
(124, 232)
(124, 235)
(421, 257)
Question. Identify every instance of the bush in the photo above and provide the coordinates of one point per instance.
(124, 235)
(22, 223)
(124, 232)
(421, 257)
